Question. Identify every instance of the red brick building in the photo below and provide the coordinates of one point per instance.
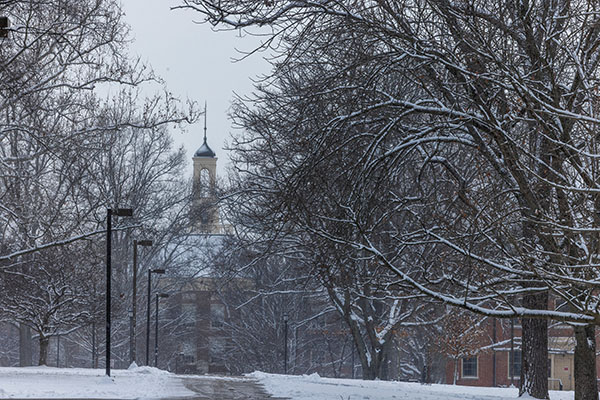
(494, 366)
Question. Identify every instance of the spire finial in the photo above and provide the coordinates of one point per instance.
(204, 121)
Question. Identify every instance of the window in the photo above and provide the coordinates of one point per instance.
(216, 350)
(188, 352)
(469, 367)
(188, 312)
(188, 297)
(204, 217)
(217, 315)
(514, 364)
(204, 183)
(514, 323)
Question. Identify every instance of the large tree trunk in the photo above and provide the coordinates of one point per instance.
(25, 353)
(373, 369)
(383, 359)
(586, 387)
(534, 349)
(43, 350)
(369, 370)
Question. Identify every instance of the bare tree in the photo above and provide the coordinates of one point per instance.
(53, 126)
(515, 96)
(288, 199)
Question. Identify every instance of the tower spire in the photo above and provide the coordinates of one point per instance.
(204, 121)
(204, 150)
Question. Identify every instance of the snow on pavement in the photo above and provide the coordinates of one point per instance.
(311, 387)
(71, 383)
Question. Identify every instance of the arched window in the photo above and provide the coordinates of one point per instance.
(204, 183)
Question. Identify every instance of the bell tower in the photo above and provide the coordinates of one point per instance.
(205, 214)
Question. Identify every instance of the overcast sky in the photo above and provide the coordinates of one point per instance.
(196, 63)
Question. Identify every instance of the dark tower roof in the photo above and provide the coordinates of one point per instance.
(204, 150)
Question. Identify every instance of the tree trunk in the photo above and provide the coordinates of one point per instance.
(427, 366)
(43, 350)
(455, 376)
(586, 387)
(383, 359)
(534, 349)
(383, 368)
(24, 346)
(369, 371)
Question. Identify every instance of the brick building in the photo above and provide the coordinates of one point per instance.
(496, 367)
(200, 342)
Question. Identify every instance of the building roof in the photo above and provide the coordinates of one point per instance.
(204, 151)
(191, 255)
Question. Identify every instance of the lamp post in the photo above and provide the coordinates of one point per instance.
(94, 359)
(161, 296)
(119, 212)
(285, 342)
(4, 24)
(131, 328)
(132, 337)
(150, 272)
(512, 352)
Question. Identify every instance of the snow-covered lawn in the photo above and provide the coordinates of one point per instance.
(313, 387)
(69, 383)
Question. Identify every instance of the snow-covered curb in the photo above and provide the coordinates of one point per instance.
(72, 383)
(310, 387)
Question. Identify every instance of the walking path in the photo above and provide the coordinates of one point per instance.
(226, 388)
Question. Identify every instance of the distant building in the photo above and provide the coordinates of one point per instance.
(201, 342)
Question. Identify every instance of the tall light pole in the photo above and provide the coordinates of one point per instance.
(132, 338)
(512, 352)
(131, 333)
(119, 212)
(285, 342)
(161, 296)
(150, 272)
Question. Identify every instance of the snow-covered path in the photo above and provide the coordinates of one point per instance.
(313, 387)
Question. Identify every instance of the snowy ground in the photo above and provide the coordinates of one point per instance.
(151, 383)
(60, 383)
(313, 387)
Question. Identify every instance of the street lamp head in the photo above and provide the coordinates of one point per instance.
(144, 242)
(163, 295)
(123, 212)
(158, 271)
(285, 317)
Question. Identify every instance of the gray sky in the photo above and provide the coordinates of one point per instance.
(196, 63)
